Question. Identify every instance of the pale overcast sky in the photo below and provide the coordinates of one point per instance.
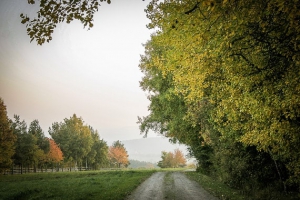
(93, 74)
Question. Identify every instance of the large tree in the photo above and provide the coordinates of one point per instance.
(41, 141)
(7, 140)
(27, 152)
(74, 138)
(243, 58)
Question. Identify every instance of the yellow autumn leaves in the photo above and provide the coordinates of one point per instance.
(243, 56)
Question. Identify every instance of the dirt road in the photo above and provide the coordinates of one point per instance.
(170, 185)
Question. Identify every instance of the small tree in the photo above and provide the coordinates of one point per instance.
(171, 160)
(55, 154)
(118, 155)
(179, 159)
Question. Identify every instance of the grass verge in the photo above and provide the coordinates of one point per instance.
(224, 192)
(72, 185)
(216, 188)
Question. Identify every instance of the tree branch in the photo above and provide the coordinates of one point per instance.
(193, 9)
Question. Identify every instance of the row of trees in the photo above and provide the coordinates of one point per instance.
(73, 144)
(24, 146)
(172, 159)
(223, 78)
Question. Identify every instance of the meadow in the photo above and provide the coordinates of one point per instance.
(72, 185)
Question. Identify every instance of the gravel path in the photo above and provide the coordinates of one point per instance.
(170, 185)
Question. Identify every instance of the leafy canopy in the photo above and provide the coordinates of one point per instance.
(240, 57)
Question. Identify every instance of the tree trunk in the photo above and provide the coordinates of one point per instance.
(278, 171)
(86, 164)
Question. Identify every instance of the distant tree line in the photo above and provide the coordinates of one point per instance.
(73, 145)
(141, 164)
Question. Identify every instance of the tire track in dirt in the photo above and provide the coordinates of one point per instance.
(170, 185)
(150, 189)
(185, 188)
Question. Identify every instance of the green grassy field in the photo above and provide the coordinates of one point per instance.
(72, 185)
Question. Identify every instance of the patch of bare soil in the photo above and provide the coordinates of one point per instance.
(170, 185)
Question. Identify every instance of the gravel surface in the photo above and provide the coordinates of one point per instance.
(170, 185)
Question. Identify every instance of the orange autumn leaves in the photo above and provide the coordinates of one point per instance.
(172, 159)
(118, 155)
(55, 154)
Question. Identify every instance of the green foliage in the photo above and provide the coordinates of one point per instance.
(41, 141)
(53, 12)
(98, 156)
(79, 142)
(27, 152)
(234, 68)
(245, 168)
(118, 144)
(7, 140)
(36, 130)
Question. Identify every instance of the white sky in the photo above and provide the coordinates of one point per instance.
(93, 74)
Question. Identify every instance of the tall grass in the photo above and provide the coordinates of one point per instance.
(72, 185)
